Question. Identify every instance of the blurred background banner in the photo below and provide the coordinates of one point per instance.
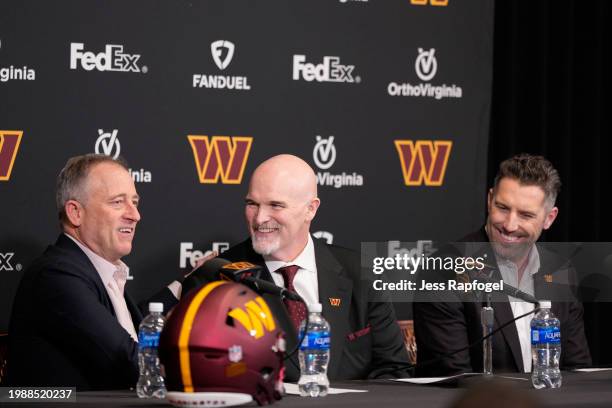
(404, 108)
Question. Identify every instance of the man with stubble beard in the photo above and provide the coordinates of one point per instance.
(521, 204)
(279, 207)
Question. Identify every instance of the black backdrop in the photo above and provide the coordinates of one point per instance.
(550, 96)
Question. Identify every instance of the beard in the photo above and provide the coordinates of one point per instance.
(513, 252)
(265, 246)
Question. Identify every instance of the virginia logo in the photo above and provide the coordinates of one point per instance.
(221, 157)
(423, 162)
(108, 142)
(426, 64)
(9, 144)
(324, 153)
(217, 48)
(255, 318)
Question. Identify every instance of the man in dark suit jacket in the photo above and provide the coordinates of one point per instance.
(65, 327)
(520, 206)
(281, 202)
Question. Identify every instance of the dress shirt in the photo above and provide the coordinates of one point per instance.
(107, 270)
(305, 282)
(509, 273)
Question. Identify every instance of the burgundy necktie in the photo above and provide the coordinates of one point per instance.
(297, 310)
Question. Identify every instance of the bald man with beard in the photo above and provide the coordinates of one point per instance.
(279, 207)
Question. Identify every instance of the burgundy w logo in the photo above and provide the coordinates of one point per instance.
(423, 161)
(9, 144)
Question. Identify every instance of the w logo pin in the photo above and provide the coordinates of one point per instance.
(335, 302)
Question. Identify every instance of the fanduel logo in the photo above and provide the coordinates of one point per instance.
(186, 253)
(9, 145)
(423, 161)
(324, 156)
(222, 52)
(330, 70)
(220, 157)
(108, 144)
(426, 68)
(112, 59)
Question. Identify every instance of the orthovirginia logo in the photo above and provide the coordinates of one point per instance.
(108, 144)
(9, 145)
(13, 73)
(222, 52)
(111, 59)
(220, 157)
(426, 68)
(423, 161)
(324, 156)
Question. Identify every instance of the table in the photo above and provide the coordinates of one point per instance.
(578, 390)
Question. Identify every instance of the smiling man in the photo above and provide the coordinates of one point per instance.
(521, 204)
(279, 207)
(72, 324)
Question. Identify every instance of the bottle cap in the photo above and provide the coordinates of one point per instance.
(544, 304)
(156, 307)
(315, 308)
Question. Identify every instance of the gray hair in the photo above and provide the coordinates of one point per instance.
(531, 170)
(71, 181)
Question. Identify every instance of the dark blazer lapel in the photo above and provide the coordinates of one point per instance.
(333, 285)
(67, 244)
(503, 314)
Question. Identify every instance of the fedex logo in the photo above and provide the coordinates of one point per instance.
(112, 59)
(330, 70)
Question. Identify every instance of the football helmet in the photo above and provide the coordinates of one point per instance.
(222, 346)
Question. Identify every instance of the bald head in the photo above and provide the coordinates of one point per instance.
(280, 205)
(289, 173)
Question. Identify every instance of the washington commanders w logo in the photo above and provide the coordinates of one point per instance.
(9, 144)
(220, 157)
(423, 161)
(256, 317)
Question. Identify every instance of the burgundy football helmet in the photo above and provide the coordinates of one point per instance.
(222, 346)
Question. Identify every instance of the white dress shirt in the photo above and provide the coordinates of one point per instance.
(509, 273)
(305, 282)
(107, 270)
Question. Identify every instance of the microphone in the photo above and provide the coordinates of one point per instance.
(241, 272)
(486, 275)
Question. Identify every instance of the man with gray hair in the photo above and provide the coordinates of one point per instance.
(521, 204)
(72, 323)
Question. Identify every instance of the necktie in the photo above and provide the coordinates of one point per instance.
(117, 286)
(297, 310)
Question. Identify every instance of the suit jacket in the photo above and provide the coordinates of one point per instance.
(442, 327)
(365, 338)
(63, 330)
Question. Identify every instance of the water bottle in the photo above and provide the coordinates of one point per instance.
(314, 354)
(150, 383)
(545, 348)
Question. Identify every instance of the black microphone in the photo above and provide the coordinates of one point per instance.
(241, 272)
(486, 275)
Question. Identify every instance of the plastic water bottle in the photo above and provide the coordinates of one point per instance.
(545, 348)
(150, 383)
(314, 354)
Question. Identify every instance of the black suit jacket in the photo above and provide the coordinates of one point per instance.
(63, 330)
(443, 327)
(355, 353)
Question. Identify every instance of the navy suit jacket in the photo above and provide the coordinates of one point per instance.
(366, 341)
(63, 330)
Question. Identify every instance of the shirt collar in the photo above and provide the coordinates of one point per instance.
(305, 260)
(105, 269)
(533, 261)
